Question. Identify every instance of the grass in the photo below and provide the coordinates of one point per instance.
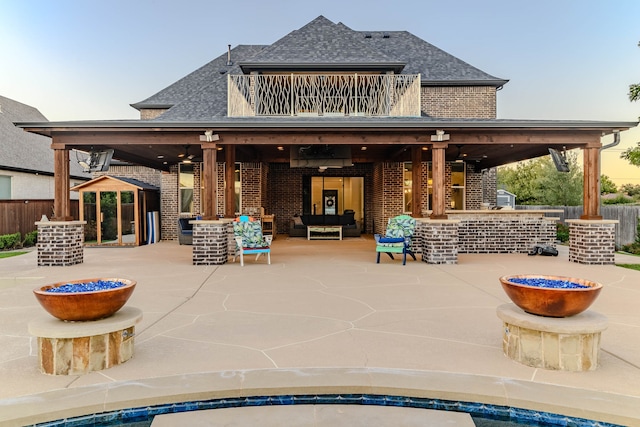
(630, 266)
(10, 254)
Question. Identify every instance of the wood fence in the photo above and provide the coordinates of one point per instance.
(627, 217)
(20, 215)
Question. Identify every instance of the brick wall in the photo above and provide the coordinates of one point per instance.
(473, 188)
(377, 213)
(141, 173)
(392, 194)
(169, 204)
(490, 186)
(473, 102)
(251, 196)
(503, 233)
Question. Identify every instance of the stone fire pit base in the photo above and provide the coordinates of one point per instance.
(566, 343)
(74, 348)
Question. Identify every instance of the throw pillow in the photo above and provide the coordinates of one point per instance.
(297, 220)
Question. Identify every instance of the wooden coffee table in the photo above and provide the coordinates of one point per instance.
(324, 232)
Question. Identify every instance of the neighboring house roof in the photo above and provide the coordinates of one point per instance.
(24, 151)
(319, 45)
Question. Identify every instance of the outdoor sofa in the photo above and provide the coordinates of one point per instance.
(350, 227)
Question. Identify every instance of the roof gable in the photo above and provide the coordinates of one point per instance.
(321, 44)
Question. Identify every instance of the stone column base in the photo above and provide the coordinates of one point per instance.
(60, 243)
(566, 343)
(439, 240)
(592, 241)
(75, 348)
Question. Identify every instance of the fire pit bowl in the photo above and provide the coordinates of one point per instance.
(88, 299)
(550, 296)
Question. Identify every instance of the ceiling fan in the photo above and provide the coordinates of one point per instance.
(465, 157)
(186, 157)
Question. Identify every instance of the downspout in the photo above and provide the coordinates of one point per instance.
(616, 141)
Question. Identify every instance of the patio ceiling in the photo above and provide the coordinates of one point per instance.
(487, 144)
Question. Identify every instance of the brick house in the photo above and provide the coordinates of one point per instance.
(381, 122)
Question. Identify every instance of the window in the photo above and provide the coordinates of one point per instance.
(186, 188)
(237, 186)
(407, 187)
(457, 185)
(5, 187)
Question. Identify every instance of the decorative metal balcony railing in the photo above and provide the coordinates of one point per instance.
(277, 95)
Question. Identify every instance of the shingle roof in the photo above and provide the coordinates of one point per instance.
(213, 73)
(321, 44)
(433, 64)
(25, 151)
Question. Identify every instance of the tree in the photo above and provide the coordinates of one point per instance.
(521, 180)
(538, 182)
(561, 188)
(632, 155)
(607, 186)
(634, 92)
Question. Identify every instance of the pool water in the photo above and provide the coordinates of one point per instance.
(483, 415)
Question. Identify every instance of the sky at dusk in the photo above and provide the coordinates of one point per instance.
(85, 60)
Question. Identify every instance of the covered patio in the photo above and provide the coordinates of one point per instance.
(480, 143)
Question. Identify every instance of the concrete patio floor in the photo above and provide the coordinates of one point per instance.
(322, 318)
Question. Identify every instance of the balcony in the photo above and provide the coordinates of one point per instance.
(323, 95)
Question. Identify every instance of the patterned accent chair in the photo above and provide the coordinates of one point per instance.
(397, 239)
(249, 239)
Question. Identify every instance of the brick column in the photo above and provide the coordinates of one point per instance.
(60, 243)
(439, 241)
(210, 242)
(592, 241)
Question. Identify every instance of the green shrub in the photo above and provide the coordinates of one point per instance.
(619, 200)
(10, 241)
(30, 239)
(562, 232)
(634, 248)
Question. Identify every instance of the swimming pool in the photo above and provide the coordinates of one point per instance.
(483, 415)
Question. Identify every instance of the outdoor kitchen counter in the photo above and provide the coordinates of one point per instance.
(503, 230)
